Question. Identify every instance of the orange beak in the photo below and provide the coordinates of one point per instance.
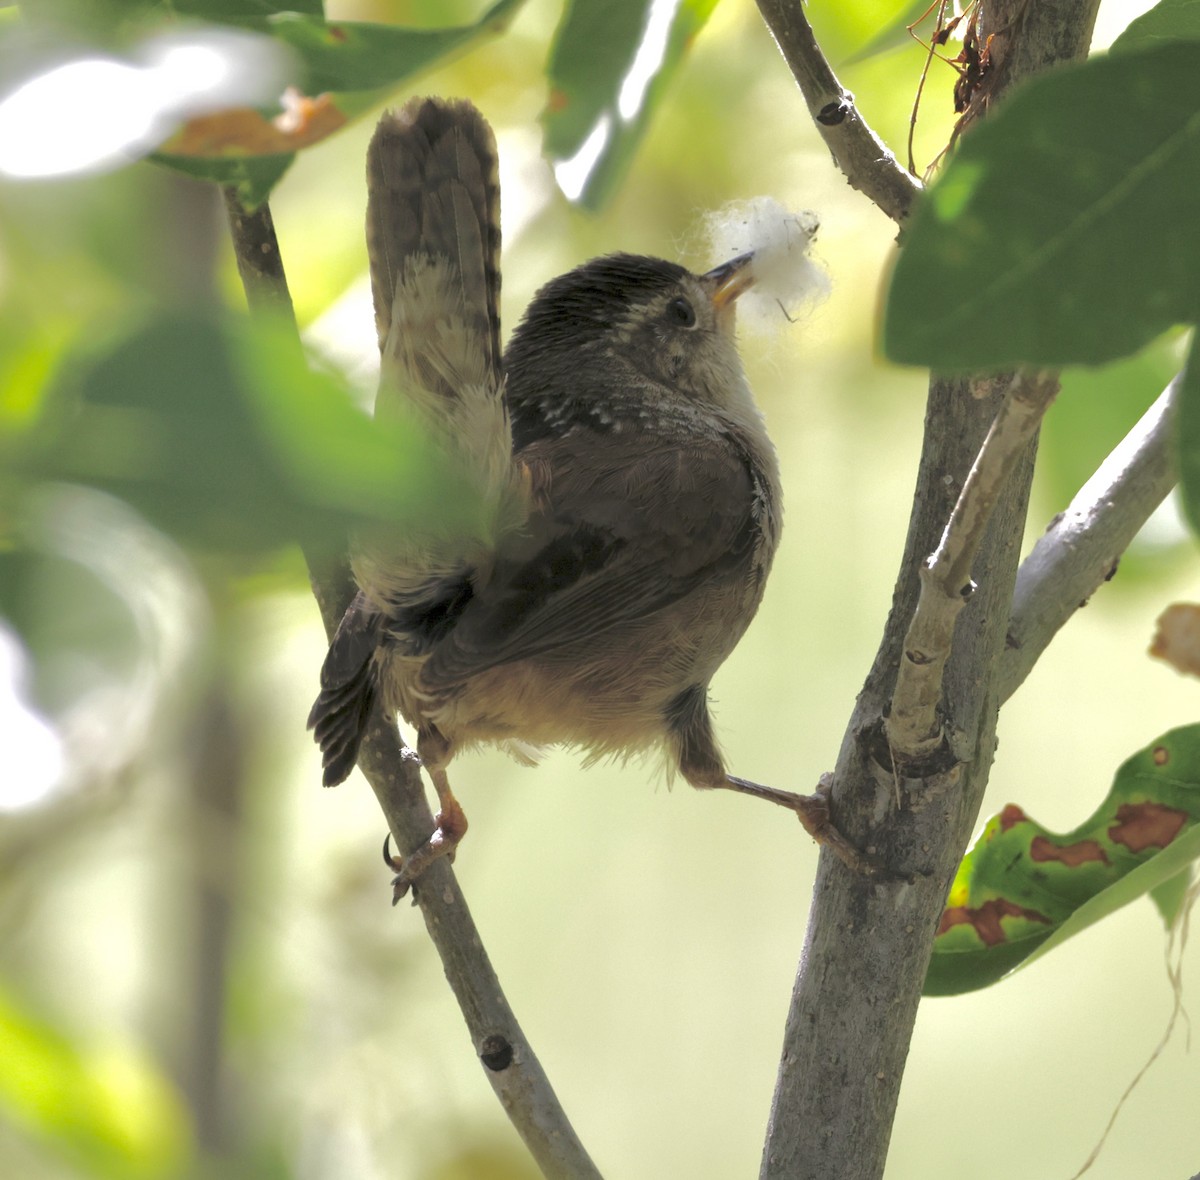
(729, 280)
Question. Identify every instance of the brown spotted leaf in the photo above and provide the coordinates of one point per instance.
(1022, 890)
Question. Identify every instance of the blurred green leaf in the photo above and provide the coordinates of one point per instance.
(342, 64)
(895, 32)
(1093, 412)
(29, 351)
(609, 67)
(358, 55)
(106, 1108)
(230, 11)
(222, 435)
(253, 177)
(1169, 20)
(1023, 890)
(1053, 237)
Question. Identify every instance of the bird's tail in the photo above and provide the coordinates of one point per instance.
(433, 238)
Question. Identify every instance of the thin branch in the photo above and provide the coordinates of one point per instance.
(914, 725)
(259, 262)
(861, 155)
(392, 770)
(1081, 548)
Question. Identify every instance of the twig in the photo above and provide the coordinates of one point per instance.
(1081, 548)
(508, 1060)
(861, 155)
(914, 727)
(259, 262)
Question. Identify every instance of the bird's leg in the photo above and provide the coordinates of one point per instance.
(689, 728)
(813, 812)
(451, 820)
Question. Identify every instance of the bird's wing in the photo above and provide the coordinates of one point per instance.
(611, 547)
(348, 689)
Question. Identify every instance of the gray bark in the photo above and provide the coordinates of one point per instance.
(868, 944)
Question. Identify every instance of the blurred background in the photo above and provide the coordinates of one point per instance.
(200, 972)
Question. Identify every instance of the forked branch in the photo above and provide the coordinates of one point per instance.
(914, 725)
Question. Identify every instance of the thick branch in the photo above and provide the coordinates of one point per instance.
(861, 155)
(914, 727)
(394, 774)
(859, 982)
(1081, 548)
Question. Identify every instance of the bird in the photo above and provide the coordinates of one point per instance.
(630, 498)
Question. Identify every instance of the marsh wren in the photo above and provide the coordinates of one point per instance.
(631, 493)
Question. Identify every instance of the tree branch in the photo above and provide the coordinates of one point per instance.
(867, 949)
(1081, 548)
(861, 155)
(914, 727)
(392, 770)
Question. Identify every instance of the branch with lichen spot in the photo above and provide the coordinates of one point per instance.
(1081, 548)
(914, 725)
(861, 155)
(392, 770)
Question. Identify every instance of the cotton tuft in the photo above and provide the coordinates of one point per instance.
(788, 281)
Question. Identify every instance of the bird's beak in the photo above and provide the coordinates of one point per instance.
(729, 280)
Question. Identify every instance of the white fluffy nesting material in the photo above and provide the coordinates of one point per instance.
(788, 282)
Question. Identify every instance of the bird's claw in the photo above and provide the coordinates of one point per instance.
(451, 826)
(813, 812)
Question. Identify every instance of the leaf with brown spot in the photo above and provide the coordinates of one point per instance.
(243, 131)
(987, 920)
(1022, 890)
(1146, 825)
(1083, 852)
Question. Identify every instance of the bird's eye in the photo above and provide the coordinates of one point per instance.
(681, 312)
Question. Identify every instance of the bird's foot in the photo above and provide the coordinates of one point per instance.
(451, 827)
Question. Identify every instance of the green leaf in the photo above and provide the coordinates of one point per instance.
(1091, 415)
(895, 32)
(1022, 890)
(609, 66)
(252, 176)
(1169, 20)
(1169, 896)
(1188, 427)
(345, 63)
(1055, 236)
(359, 55)
(244, 11)
(105, 1107)
(220, 433)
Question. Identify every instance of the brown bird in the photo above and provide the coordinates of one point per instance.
(631, 494)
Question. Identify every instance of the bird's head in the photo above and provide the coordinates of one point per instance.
(628, 315)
